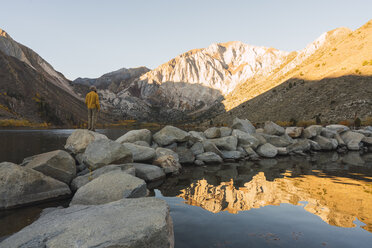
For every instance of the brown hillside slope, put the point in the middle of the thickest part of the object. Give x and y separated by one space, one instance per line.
28 94
339 73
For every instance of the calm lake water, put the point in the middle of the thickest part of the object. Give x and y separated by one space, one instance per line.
320 201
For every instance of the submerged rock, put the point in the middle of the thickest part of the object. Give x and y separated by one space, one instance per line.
79 140
21 186
57 164
103 152
109 187
132 223
136 135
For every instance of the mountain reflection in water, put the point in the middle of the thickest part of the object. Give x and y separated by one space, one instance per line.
335 191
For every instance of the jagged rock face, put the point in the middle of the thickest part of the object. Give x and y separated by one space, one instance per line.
219 66
194 84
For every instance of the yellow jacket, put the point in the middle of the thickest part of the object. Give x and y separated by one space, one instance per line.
91 100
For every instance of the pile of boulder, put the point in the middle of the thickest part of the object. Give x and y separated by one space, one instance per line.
109 179
110 206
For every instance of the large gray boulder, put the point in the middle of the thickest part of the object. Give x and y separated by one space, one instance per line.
273 128
57 164
104 151
294 132
131 223
169 135
109 187
209 157
160 152
20 186
245 138
148 172
136 135
352 140
79 140
312 131
212 133
140 153
84 179
267 150
168 163
243 125
228 143
186 156
324 143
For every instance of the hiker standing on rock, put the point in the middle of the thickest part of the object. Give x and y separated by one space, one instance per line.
92 102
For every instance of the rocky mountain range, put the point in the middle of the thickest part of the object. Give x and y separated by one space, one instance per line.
224 79
215 81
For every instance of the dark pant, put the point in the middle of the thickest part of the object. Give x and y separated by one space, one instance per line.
92 119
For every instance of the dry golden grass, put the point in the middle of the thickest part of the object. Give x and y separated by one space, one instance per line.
284 123
22 123
306 123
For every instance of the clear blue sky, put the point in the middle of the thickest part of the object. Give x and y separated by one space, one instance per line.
89 38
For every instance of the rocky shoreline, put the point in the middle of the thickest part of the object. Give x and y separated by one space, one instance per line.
109 181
